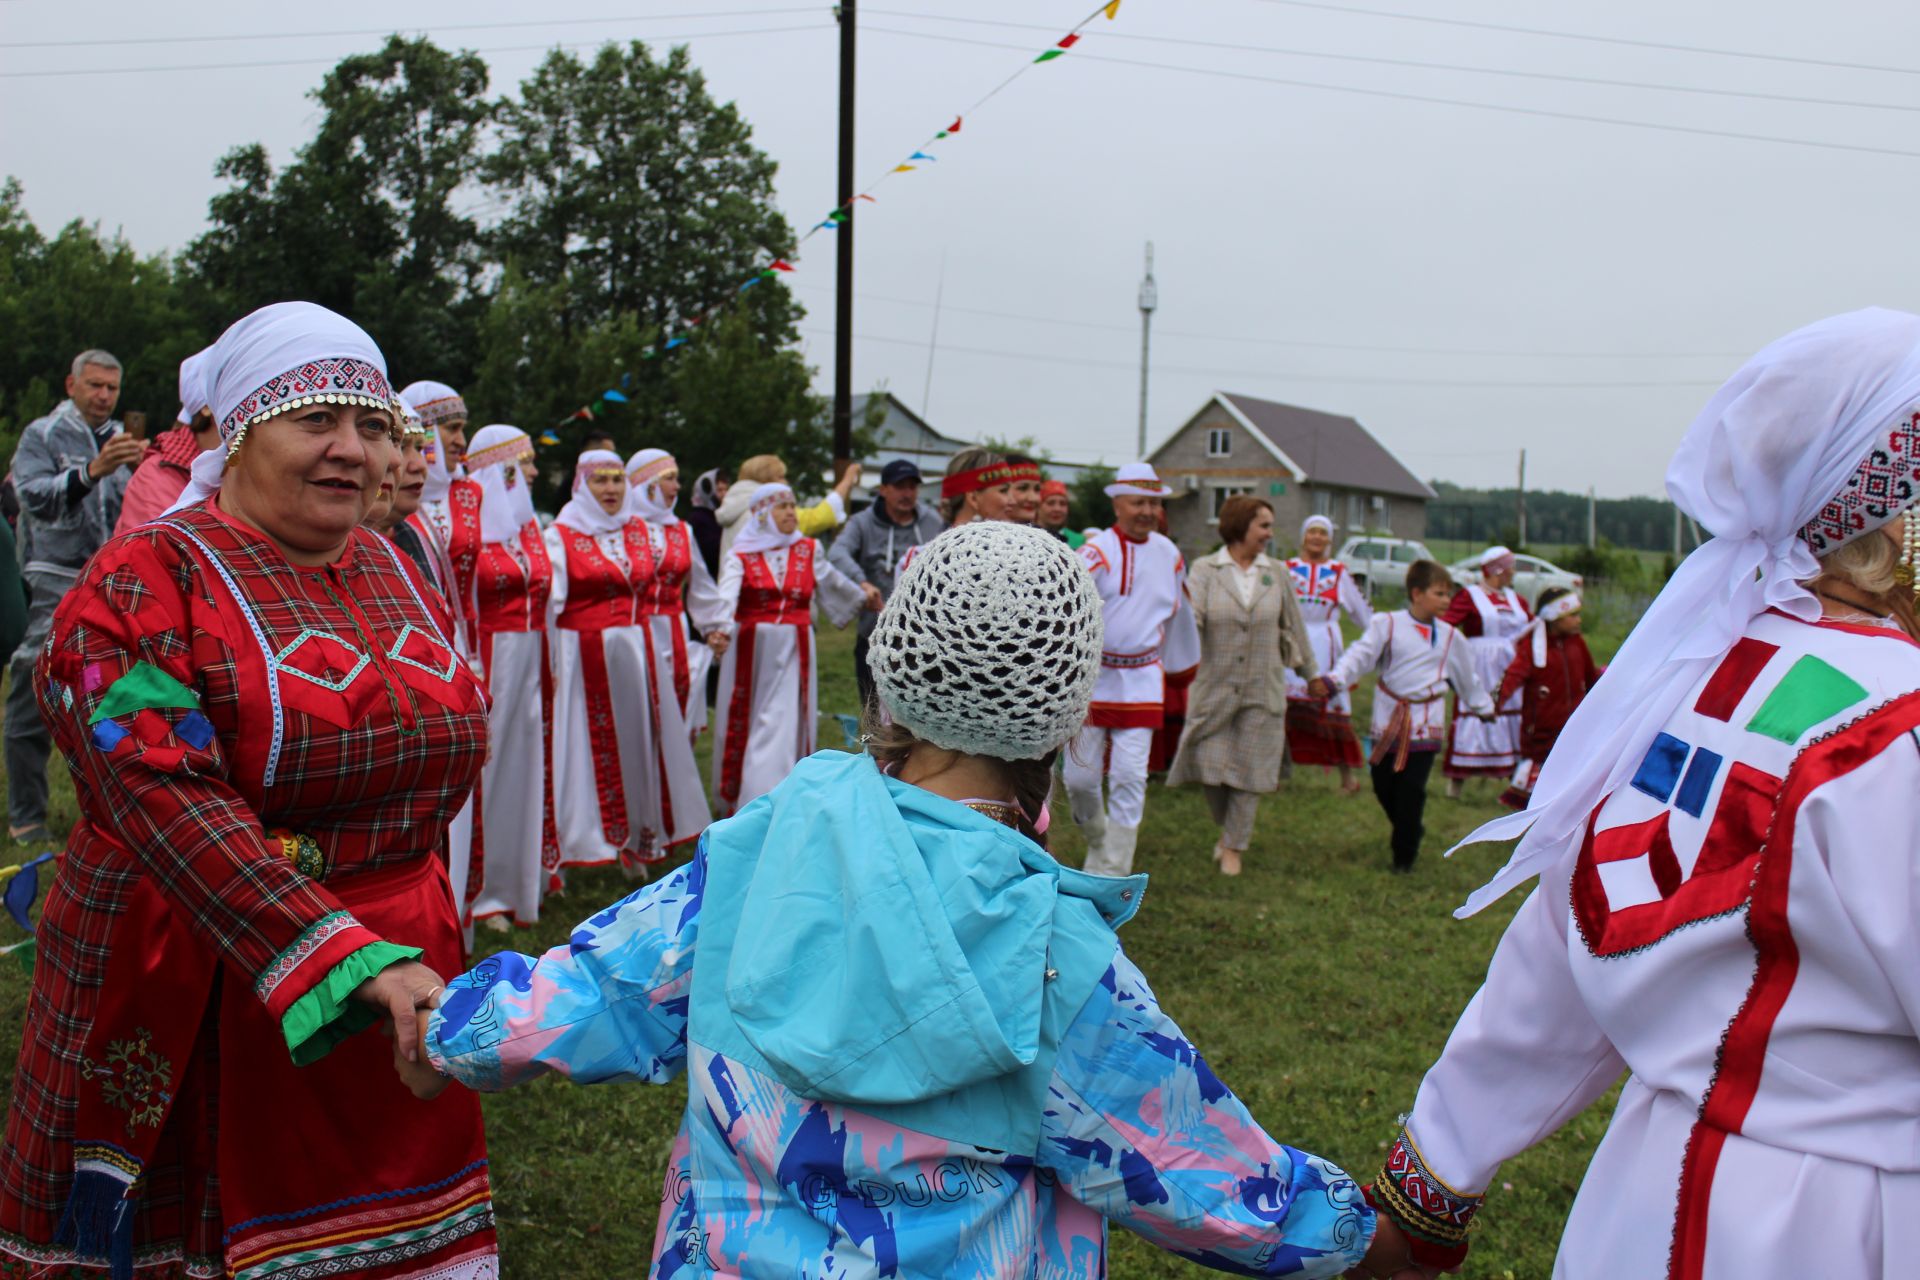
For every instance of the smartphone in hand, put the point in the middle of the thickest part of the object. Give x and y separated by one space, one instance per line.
136 424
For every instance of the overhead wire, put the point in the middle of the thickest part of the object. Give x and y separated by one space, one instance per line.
1419 64
1429 99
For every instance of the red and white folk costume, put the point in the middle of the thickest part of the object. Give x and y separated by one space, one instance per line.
1322 732
1492 622
607 793
769 702
1143 594
1728 903
516 857
265 756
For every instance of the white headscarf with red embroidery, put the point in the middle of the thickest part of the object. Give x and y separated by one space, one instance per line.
283 357
493 461
1813 443
435 403
758 532
644 470
583 511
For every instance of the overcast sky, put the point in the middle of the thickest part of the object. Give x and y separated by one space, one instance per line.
1464 281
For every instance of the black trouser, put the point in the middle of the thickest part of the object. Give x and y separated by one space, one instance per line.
863 673
1403 795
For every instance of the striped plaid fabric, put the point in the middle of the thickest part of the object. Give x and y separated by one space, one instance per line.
319 701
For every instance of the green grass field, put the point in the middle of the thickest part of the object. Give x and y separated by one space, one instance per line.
1318 986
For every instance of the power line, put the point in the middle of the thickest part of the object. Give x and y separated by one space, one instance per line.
511 48
1370 348
1432 100
1282 376
1594 39
381 31
1557 77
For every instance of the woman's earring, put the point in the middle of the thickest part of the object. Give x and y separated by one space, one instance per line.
1907 572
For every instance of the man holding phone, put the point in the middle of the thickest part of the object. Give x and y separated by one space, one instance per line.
69 470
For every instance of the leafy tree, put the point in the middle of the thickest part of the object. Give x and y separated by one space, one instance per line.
77 290
366 219
1089 505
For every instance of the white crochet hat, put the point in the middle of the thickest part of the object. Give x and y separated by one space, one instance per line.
990 642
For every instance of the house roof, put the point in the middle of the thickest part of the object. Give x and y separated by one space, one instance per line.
1323 448
901 430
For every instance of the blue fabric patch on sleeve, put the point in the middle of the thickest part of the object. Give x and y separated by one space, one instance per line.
1659 773
195 730
1698 782
107 735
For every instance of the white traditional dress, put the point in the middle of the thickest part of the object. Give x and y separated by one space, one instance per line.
516 854
1415 661
1142 589
1492 623
768 702
1322 732
606 777
1738 934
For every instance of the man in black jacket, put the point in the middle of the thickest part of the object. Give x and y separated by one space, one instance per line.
871 545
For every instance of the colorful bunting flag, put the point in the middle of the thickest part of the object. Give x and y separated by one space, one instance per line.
1113 10
920 155
869 199
780 264
615 396
675 342
583 412
22 888
548 438
903 168
748 285
22 953
954 127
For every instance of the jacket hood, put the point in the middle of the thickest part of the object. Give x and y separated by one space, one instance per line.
892 946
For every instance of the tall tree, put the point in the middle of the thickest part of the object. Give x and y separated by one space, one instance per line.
367 219
636 203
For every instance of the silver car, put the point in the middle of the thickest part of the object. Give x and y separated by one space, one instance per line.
1379 563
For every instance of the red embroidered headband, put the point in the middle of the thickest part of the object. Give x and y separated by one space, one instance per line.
988 477
506 451
333 380
445 409
652 471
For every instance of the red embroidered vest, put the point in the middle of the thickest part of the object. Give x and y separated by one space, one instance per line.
601 594
512 592
676 562
764 600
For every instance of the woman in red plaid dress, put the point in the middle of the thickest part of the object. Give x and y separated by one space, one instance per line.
268 733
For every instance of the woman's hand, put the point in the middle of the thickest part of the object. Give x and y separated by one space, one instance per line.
418 1074
718 642
1388 1257
401 990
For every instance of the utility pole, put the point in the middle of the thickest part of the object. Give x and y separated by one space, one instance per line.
1593 524
1149 299
933 339
1676 533
843 287
1522 499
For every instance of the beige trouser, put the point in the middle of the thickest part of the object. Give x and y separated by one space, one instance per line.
1233 812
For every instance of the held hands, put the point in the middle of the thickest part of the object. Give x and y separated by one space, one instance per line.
1320 687
1389 1258
875 601
718 642
404 991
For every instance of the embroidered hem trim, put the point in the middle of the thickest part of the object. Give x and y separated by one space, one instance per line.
21 1258
303 946
328 1014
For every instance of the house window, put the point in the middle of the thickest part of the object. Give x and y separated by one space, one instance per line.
1220 442
1222 492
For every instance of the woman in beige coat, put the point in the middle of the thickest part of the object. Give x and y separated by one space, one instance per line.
1251 632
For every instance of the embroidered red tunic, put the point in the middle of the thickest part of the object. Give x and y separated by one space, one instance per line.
1551 694
788 602
208 694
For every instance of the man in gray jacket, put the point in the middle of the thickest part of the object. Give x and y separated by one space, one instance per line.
70 470
869 549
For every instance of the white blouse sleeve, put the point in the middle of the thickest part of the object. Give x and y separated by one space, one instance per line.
1364 654
1353 601
709 609
732 573
557 556
839 597
1466 678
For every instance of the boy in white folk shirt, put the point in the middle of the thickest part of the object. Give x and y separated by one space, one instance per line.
1142 580
1416 655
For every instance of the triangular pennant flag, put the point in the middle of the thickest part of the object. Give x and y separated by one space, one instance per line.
904 168
780 264
583 412
613 395
921 155
838 215
1113 10
828 225
626 379
748 285
1070 39
22 889
954 127
547 437
22 954
1050 55
676 342
867 198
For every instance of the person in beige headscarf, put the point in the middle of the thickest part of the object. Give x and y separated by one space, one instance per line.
1251 634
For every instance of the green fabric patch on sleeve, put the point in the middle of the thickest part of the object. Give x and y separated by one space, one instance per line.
328 1014
143 686
1811 692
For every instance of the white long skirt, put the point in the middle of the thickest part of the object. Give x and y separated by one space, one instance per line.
769 727
699 660
606 778
514 858
1772 1212
684 813
1474 747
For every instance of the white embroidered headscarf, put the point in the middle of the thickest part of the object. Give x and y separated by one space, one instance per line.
644 470
493 461
757 532
583 511
1814 442
194 395
282 357
1315 522
1536 633
434 403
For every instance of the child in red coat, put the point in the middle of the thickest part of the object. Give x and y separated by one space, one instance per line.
1552 664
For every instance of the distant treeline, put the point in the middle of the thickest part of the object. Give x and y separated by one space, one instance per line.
1553 518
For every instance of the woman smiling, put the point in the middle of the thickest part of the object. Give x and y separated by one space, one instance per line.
268 733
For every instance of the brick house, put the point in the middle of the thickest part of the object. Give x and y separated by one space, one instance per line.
1302 461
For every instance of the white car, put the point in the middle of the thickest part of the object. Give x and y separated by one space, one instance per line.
1531 576
1380 563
